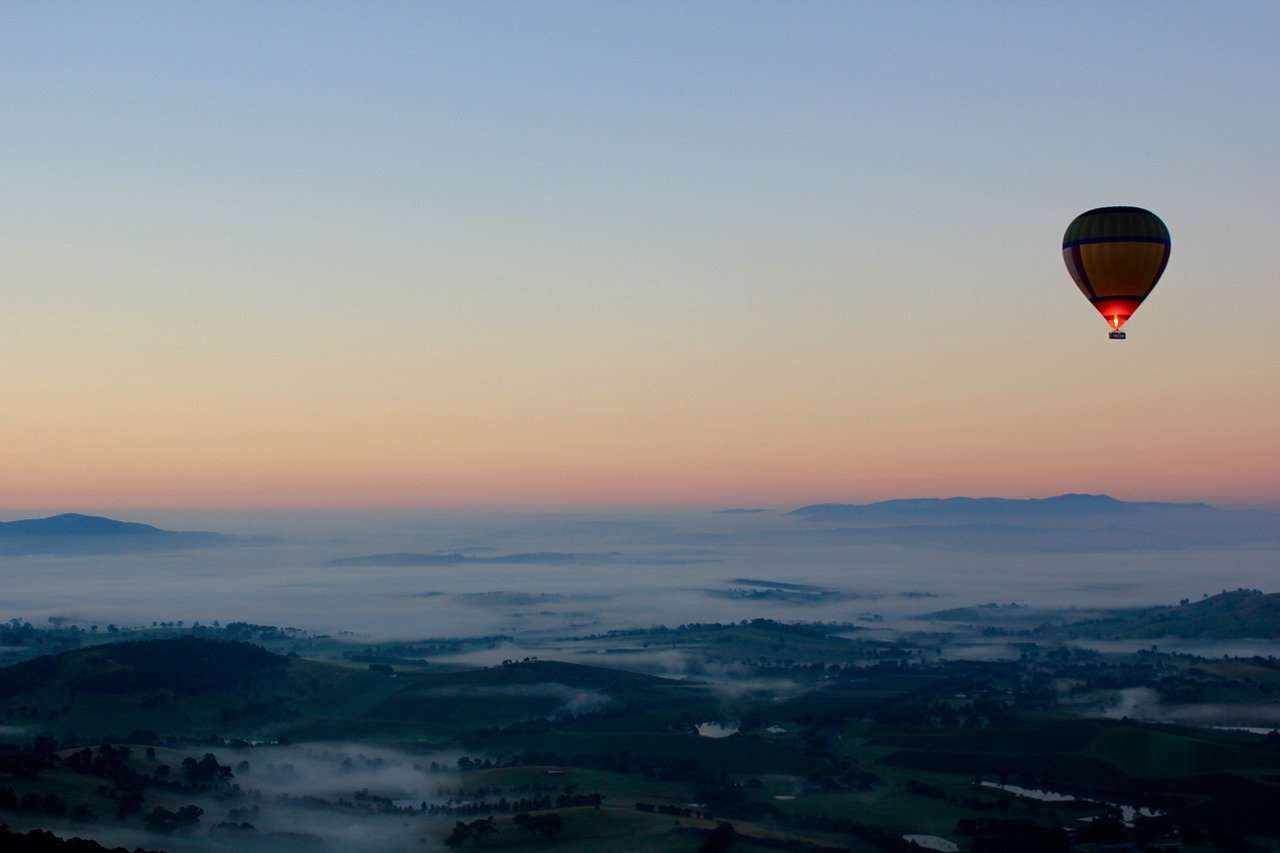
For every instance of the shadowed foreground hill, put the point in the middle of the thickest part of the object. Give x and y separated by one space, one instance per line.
185 665
72 533
191 686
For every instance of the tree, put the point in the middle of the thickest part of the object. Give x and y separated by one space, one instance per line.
719 839
184 819
476 830
546 825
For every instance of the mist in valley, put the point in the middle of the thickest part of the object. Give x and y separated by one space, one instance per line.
493 589
326 796
540 576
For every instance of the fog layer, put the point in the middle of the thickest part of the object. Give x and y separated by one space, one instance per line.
613 570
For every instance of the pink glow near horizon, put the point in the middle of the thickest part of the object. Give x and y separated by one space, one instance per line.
626 259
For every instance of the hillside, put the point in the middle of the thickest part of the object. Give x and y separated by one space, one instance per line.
1239 614
186 665
189 686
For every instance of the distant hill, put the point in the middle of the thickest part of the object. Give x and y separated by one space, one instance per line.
972 509
72 533
1063 523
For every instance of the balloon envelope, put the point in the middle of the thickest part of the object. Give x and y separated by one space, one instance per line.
1116 256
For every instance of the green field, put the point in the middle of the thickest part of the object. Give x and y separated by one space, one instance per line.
860 743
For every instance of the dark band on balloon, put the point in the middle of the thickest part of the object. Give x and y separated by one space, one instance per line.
1164 241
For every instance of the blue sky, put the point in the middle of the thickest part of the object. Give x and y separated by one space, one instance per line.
545 248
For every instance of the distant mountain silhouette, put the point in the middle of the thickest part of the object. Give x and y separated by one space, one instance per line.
970 509
72 533
1060 523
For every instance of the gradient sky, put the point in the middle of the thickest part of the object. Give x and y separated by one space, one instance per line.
628 253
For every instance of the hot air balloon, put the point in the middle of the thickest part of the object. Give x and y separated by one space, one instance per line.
1116 256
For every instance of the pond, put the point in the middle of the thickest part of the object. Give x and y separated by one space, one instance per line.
1127 813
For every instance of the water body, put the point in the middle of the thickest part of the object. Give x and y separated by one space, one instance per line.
1032 793
1127 813
932 842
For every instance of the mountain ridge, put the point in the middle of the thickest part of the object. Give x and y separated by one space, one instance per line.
73 533
1069 503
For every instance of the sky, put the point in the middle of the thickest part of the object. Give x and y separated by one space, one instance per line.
616 254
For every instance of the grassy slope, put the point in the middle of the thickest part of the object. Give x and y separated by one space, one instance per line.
1061 750
1242 614
194 687
107 689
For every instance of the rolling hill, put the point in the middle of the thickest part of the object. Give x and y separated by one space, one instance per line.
188 686
1237 614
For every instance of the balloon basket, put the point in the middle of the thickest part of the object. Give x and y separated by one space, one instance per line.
1116 336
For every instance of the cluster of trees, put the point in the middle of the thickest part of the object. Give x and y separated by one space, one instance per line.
247 632
366 804
125 784
801 629
478 738
983 712
477 830
725 798
48 804
43 841
547 825
526 804
663 808
205 770
411 652
543 826
184 820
